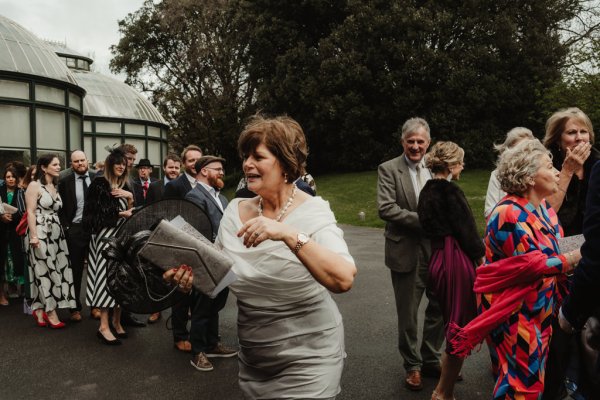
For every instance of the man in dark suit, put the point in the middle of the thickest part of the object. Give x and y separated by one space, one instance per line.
73 190
171 171
141 184
407 252
204 329
178 188
583 301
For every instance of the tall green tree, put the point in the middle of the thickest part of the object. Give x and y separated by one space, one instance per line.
191 59
473 69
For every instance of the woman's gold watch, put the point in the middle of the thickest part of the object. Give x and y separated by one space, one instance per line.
302 239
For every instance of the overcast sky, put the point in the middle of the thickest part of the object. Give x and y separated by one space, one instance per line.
88 26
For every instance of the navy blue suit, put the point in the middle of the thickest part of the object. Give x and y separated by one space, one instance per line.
177 188
204 330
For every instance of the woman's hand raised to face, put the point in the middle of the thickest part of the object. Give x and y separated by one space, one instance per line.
573 163
182 276
257 230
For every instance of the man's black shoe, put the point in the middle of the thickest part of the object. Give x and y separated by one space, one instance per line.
127 319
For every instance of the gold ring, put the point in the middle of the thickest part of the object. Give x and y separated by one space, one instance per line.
255 233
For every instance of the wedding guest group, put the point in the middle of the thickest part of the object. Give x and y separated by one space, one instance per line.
504 286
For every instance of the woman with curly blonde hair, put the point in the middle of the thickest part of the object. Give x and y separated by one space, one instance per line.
448 222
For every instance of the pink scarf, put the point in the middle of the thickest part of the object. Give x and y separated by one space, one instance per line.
512 279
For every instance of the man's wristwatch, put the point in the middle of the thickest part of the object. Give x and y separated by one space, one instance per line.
302 239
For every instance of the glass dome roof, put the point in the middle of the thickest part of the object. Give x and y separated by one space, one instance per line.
107 97
21 51
62 50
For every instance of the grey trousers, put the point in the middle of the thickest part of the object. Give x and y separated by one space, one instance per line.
409 288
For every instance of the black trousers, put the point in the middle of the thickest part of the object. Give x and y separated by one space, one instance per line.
204 328
78 241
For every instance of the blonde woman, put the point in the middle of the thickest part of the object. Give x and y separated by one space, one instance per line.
447 220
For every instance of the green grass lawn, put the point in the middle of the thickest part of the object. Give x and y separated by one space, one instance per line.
349 194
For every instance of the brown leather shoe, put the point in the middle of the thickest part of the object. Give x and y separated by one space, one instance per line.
183 345
75 316
95 313
154 318
413 380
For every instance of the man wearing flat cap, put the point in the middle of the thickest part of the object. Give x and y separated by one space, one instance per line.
204 328
142 182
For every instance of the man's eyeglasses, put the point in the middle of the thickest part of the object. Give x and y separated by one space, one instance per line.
220 170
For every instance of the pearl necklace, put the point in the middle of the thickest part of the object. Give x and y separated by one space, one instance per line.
290 200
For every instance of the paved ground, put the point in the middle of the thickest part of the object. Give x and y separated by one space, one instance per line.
38 363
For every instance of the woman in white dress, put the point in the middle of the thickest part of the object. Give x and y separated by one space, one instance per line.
288 252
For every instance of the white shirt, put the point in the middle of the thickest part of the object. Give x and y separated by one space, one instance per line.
213 192
192 180
79 195
425 175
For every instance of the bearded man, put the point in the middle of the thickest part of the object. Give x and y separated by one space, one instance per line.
204 328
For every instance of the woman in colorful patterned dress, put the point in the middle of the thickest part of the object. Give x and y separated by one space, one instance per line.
50 269
107 206
521 239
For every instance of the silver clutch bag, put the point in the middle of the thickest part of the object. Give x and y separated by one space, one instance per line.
169 246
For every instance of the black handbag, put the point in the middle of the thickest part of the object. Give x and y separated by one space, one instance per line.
136 284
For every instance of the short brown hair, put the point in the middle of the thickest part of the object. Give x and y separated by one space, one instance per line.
283 136
188 148
173 157
128 148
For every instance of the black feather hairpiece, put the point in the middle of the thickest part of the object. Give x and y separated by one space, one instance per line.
115 150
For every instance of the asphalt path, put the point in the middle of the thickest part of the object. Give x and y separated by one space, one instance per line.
40 363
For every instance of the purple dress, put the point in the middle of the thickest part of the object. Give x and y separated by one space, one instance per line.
446 218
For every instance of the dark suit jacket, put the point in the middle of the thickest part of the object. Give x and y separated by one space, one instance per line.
18 197
397 205
203 199
156 191
66 188
177 188
138 192
584 298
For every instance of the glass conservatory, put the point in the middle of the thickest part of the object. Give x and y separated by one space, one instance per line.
50 101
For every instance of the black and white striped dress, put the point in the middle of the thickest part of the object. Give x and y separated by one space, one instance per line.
97 294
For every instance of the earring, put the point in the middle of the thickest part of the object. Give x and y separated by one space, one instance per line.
285 178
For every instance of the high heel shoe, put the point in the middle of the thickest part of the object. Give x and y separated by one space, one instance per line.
104 340
436 396
58 325
39 323
120 335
